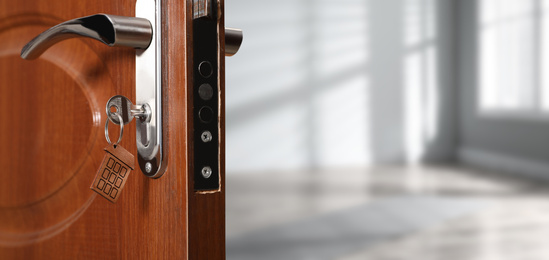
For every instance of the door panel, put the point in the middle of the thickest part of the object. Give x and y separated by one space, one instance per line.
51 134
52 144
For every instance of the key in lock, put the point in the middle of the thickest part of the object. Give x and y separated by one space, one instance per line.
118 162
127 110
122 106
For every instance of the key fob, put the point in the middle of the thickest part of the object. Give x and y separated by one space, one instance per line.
113 172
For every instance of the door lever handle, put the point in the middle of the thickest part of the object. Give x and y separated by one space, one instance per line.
112 30
140 33
233 40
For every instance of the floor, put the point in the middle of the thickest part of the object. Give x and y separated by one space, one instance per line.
423 212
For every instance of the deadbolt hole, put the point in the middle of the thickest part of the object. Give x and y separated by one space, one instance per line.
206 114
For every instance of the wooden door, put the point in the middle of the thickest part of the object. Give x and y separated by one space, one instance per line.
52 140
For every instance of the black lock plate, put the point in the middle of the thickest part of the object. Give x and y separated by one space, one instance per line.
206 102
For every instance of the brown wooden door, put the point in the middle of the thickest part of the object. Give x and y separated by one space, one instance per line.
52 140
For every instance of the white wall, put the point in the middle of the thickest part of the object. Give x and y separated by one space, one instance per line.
504 141
339 83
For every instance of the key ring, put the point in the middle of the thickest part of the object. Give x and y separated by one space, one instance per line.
121 130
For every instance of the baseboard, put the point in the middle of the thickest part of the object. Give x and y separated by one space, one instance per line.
501 162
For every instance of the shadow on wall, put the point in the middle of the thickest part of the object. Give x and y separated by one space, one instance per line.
343 83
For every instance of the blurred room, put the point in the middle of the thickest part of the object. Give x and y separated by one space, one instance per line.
388 129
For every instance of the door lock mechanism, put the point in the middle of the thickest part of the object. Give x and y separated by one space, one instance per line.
207 50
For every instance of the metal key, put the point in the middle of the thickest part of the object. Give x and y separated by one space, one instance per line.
125 109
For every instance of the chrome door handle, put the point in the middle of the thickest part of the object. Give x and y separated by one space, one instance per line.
112 30
141 33
233 40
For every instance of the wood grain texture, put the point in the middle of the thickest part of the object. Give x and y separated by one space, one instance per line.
56 109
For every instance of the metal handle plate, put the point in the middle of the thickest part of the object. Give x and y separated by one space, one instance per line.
151 152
